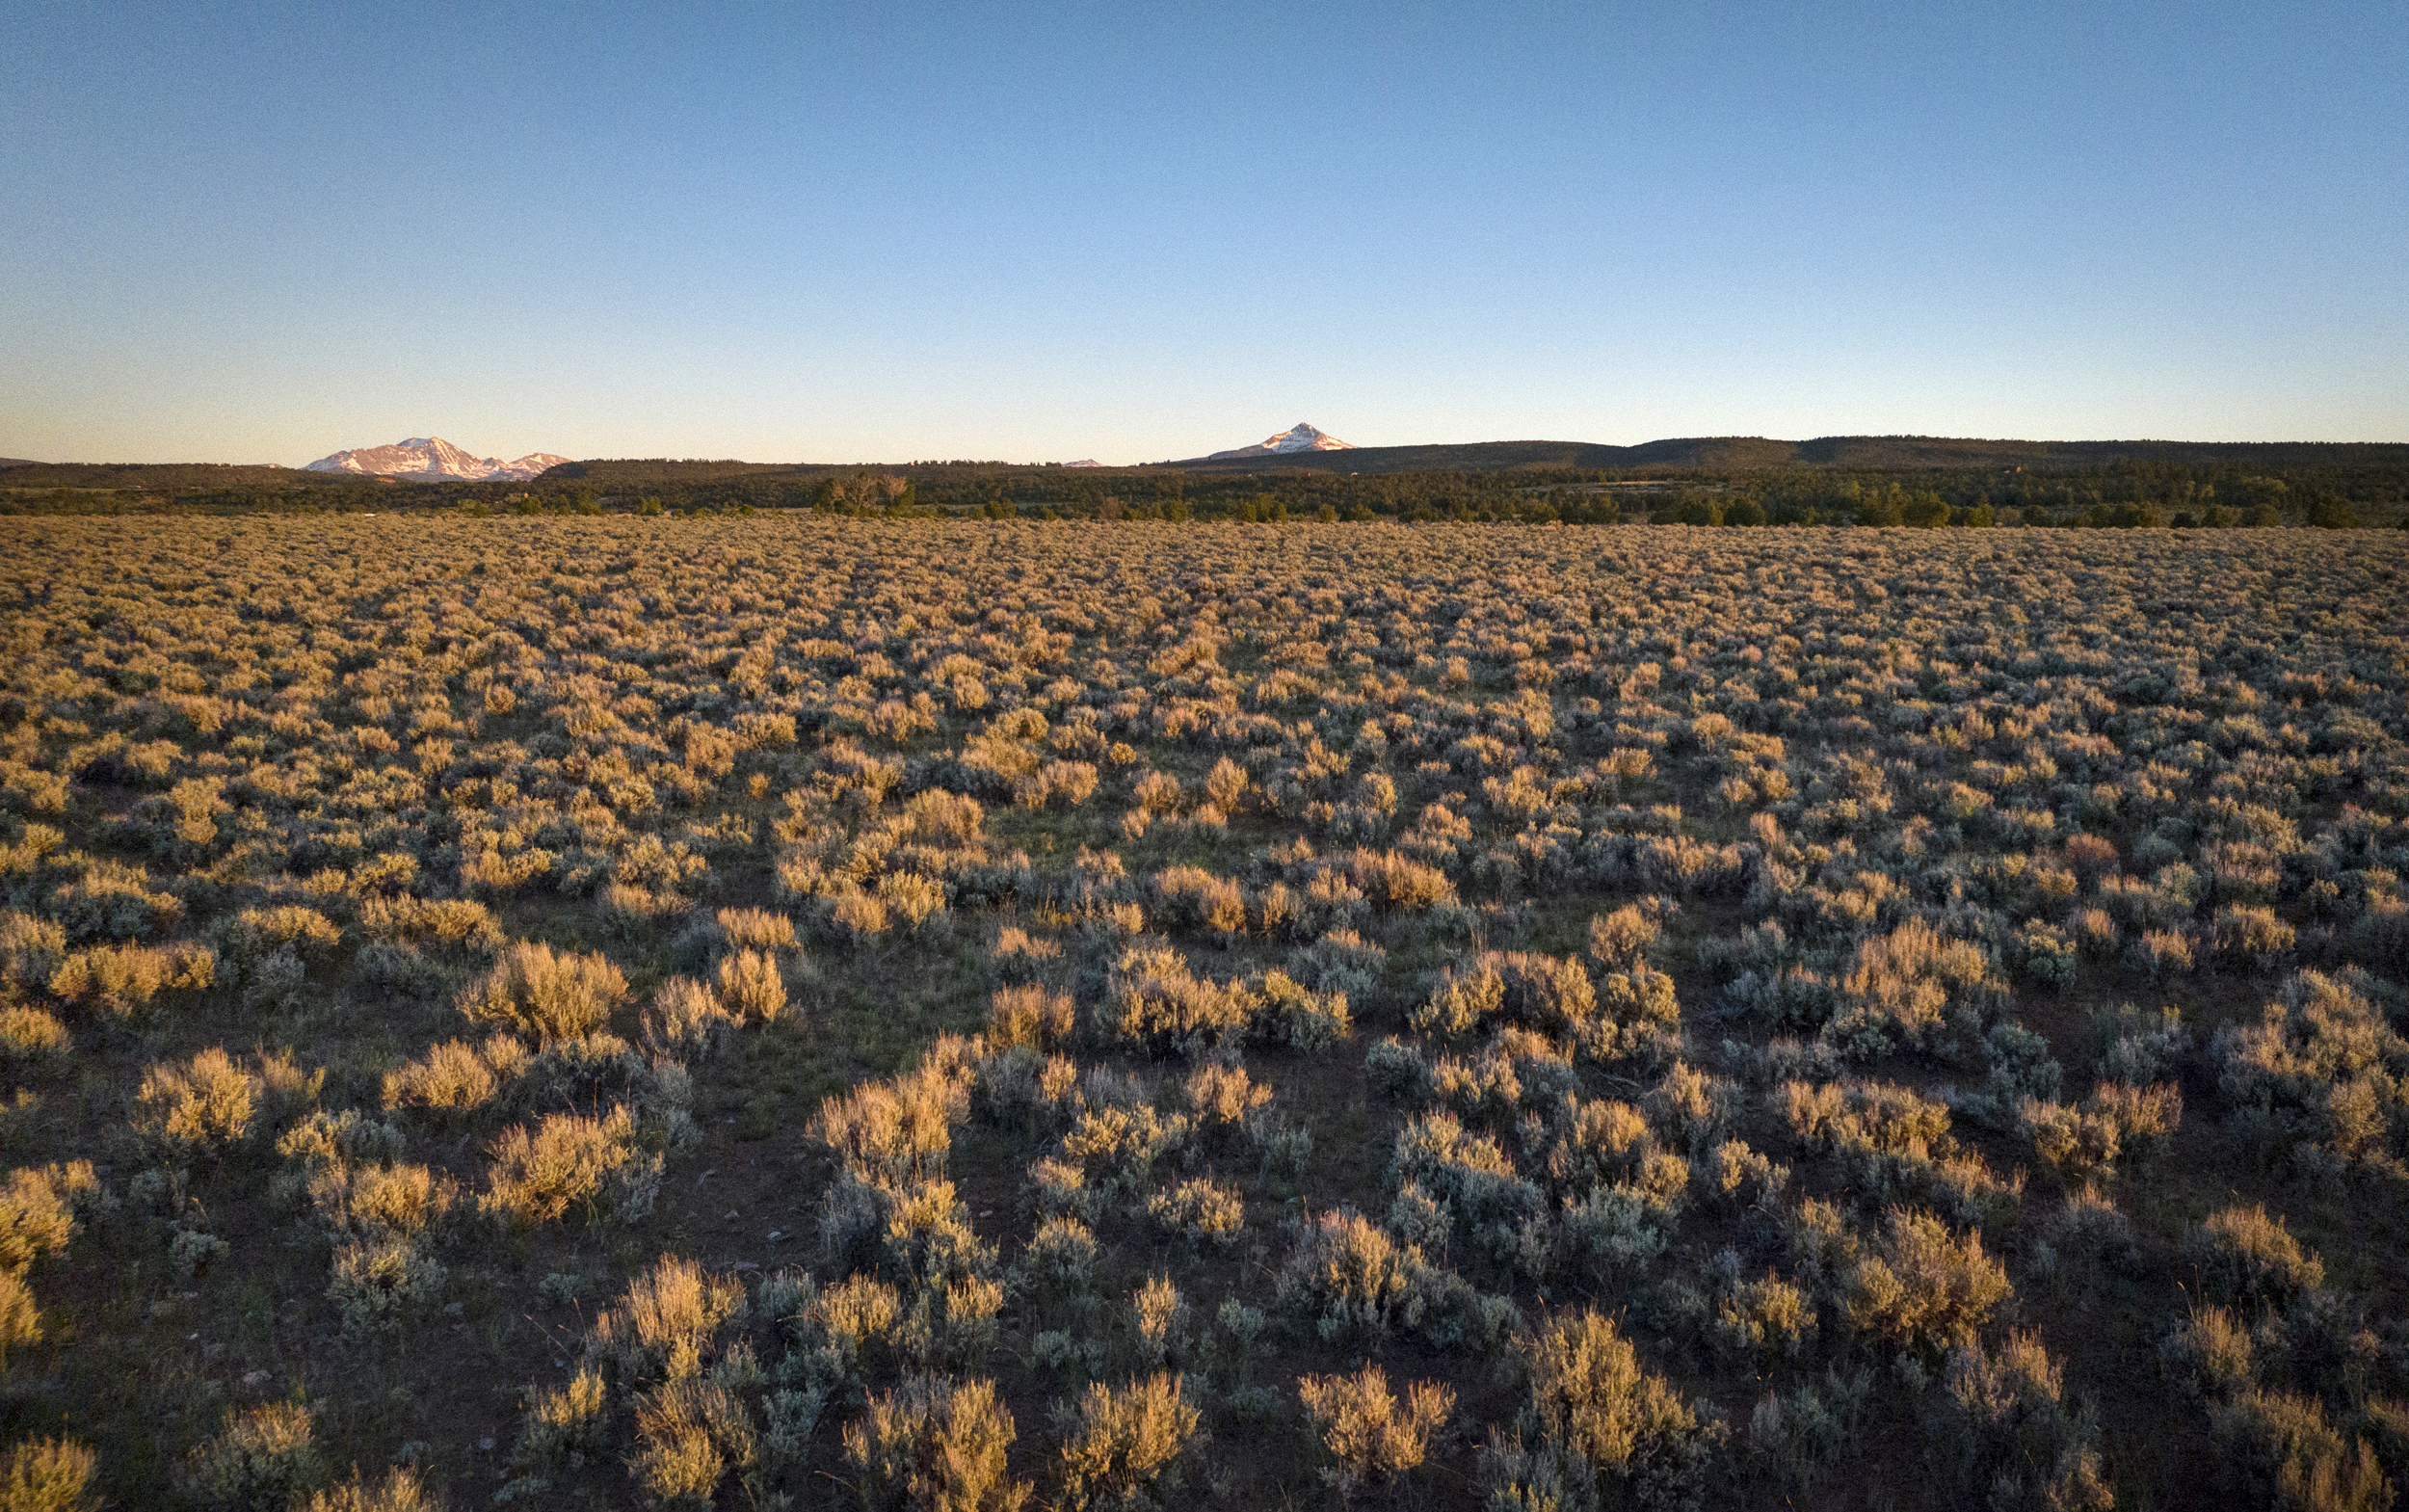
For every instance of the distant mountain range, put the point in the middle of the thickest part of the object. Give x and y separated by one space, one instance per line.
1298 437
1745 453
430 458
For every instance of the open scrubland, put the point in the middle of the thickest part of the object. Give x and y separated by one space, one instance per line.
773 1011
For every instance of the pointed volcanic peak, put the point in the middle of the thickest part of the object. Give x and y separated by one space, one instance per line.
430 458
1298 438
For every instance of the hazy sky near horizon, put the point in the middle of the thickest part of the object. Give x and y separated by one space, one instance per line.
1032 232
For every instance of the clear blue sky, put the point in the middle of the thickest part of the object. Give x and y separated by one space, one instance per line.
1138 232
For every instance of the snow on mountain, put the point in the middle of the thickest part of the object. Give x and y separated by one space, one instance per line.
1298 438
1084 461
430 458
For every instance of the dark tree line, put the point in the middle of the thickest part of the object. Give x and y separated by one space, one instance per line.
2122 494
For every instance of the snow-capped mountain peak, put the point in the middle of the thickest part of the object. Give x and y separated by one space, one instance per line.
1298 437
430 458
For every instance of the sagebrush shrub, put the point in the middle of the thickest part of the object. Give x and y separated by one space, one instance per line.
32 1036
265 1457
1037 1016
756 929
2251 937
935 1444
686 1016
1594 1415
1153 1000
1371 1435
571 1160
1925 1289
20 1315
2092 1234
2276 1448
666 1324
750 987
1121 1448
689 1434
201 1107
551 995
1203 1209
895 1131
126 980
38 1215
456 1077
1767 1318
49 1476
1803 1432
1222 1095
2019 1442
376 1285
2211 1353
2245 1254
400 1491
1618 941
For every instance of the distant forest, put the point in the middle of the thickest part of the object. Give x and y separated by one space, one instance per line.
1851 481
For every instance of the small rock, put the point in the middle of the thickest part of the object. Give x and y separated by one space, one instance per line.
731 1212
987 1212
454 1309
777 1235
485 1444
744 1266
255 1379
